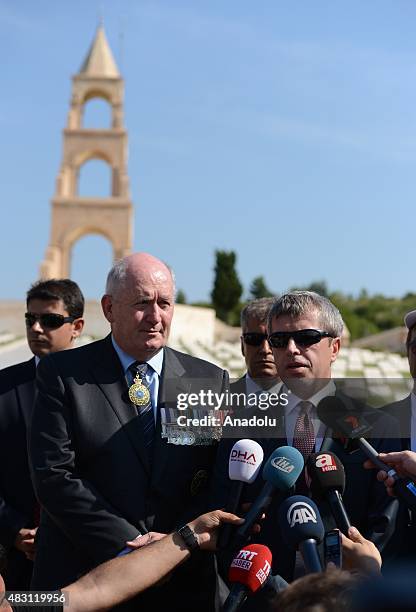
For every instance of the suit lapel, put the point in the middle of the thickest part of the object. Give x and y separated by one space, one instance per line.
108 372
25 390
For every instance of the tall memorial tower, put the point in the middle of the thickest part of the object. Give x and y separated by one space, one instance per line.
74 216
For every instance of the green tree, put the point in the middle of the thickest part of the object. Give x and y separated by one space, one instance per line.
227 289
259 289
180 297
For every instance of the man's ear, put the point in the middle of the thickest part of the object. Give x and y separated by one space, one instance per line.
335 346
107 307
77 327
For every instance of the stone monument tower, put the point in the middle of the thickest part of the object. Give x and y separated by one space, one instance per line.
74 216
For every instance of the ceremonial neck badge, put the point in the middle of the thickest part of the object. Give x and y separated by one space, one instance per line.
138 392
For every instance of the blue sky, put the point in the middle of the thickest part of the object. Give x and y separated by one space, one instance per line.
283 131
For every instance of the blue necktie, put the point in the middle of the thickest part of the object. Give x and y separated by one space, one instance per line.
145 412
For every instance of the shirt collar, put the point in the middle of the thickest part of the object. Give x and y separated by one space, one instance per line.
293 400
156 362
253 387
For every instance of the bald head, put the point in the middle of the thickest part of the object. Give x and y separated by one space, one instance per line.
139 304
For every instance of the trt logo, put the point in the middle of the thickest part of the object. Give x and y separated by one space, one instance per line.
325 463
237 455
263 572
283 464
300 513
244 559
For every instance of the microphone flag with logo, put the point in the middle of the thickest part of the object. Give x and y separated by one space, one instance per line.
302 529
244 464
280 472
248 572
326 476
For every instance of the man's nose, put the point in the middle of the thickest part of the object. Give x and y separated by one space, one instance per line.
265 347
37 327
153 312
292 347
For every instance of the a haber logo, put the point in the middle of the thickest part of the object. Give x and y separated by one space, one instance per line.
243 457
283 464
300 513
325 463
244 559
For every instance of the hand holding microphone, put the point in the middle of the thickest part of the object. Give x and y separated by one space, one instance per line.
349 423
403 462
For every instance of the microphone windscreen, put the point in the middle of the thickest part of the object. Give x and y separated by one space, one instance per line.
325 472
347 421
283 467
245 461
299 520
251 566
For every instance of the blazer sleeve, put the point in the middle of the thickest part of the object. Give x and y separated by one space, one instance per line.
82 513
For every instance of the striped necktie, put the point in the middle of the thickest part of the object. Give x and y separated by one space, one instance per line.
304 440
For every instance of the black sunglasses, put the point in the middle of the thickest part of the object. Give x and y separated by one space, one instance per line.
301 337
254 338
48 320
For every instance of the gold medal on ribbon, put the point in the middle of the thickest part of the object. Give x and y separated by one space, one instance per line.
138 392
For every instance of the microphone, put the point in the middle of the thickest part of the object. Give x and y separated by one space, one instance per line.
281 471
352 425
327 482
244 465
248 572
302 528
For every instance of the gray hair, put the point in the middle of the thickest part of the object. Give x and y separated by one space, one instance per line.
116 277
256 309
298 303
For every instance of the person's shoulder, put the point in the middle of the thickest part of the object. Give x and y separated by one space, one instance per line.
17 374
197 365
76 357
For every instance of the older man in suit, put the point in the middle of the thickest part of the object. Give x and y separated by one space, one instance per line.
53 322
101 468
305 333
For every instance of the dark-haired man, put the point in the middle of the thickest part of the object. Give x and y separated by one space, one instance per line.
53 322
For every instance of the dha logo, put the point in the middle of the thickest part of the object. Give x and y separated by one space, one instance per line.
283 464
325 463
300 513
243 456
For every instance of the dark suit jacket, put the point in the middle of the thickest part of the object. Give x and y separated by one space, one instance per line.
91 472
404 545
17 500
365 499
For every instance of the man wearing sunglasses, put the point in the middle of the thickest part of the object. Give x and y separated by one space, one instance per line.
261 369
53 322
305 332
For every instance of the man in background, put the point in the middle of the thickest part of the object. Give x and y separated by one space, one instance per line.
53 322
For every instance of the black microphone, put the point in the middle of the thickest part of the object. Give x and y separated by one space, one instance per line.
244 465
281 471
327 482
333 412
248 573
302 529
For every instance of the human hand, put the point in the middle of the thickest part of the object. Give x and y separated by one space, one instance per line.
360 554
25 541
145 539
206 526
403 462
